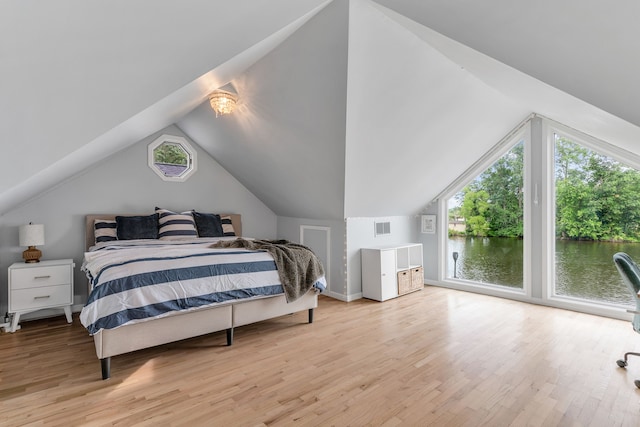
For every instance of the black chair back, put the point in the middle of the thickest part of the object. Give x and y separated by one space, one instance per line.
630 274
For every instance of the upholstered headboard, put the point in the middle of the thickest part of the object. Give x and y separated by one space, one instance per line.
90 219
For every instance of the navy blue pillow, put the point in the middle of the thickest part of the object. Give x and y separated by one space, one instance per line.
137 227
208 225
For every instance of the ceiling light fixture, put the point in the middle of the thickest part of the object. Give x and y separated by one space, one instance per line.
223 102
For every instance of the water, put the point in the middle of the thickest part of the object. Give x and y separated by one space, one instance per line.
583 269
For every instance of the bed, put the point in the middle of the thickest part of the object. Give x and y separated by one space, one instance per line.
184 323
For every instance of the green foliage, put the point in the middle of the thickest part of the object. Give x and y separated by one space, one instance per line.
577 212
504 181
597 198
169 153
474 209
492 205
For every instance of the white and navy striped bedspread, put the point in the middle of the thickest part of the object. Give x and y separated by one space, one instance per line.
138 280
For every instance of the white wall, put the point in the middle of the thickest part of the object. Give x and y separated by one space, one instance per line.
360 234
286 141
125 184
430 245
289 229
73 70
410 110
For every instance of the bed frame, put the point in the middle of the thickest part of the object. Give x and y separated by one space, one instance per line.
183 325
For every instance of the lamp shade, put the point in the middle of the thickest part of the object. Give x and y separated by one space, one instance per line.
31 234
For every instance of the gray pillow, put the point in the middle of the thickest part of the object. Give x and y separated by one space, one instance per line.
208 224
137 227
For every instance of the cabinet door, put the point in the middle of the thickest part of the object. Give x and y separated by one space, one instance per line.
388 274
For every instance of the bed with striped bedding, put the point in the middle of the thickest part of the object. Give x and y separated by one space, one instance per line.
137 280
150 292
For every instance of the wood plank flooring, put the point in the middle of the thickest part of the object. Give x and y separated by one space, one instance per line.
437 357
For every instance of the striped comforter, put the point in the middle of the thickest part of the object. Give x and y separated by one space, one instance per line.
138 280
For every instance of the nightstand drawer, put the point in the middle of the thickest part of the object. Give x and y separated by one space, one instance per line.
36 298
25 278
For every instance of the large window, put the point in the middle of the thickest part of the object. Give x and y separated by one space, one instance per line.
544 220
597 214
486 223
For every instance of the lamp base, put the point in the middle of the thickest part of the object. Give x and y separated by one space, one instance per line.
32 255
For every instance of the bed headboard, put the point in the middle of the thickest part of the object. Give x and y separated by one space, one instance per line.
90 219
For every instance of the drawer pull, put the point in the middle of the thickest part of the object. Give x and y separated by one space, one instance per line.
42 297
42 277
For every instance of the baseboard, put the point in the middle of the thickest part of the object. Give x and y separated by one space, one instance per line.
354 297
342 297
335 295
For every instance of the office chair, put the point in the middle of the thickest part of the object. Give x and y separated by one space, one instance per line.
630 274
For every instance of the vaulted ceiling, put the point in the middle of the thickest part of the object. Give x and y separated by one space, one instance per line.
349 108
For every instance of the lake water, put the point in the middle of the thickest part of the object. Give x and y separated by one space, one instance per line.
583 269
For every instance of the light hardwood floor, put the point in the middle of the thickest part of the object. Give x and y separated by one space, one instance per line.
434 357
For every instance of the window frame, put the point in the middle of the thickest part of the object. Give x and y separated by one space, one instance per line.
521 133
601 147
192 164
539 215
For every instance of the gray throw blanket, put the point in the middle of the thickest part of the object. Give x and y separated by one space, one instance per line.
297 265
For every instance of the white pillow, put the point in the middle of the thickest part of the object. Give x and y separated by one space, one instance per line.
104 230
175 226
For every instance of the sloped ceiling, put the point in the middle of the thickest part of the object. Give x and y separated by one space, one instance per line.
447 105
351 108
81 80
408 121
286 145
586 48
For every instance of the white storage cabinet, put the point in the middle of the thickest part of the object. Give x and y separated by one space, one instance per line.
390 271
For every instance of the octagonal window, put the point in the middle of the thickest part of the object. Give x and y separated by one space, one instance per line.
172 158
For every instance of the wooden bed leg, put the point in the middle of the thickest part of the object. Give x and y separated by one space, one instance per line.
311 315
229 336
106 368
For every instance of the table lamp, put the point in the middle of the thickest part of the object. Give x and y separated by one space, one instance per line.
31 235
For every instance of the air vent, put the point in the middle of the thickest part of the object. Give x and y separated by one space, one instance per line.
382 228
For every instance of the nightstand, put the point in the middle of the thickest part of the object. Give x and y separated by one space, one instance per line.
36 286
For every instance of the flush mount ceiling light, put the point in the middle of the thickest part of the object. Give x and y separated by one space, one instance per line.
223 102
